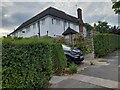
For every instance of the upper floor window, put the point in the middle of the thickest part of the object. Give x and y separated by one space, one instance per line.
27 29
74 26
65 23
43 21
34 25
52 21
68 24
58 21
23 31
16 33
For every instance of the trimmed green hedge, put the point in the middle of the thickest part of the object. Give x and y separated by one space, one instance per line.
25 64
28 63
58 57
106 43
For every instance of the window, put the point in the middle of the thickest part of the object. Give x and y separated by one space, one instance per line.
58 21
23 31
52 21
68 24
27 29
34 25
16 34
43 21
74 26
64 25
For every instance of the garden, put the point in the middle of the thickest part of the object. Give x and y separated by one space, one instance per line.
31 62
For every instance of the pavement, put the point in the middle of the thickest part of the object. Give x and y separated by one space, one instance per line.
103 74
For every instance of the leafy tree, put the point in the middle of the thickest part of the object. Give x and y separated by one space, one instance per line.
103 27
116 6
88 26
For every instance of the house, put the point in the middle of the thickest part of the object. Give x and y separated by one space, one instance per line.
51 22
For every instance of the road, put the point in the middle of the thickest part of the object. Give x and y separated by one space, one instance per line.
104 74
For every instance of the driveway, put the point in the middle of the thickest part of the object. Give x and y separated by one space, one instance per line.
104 74
107 70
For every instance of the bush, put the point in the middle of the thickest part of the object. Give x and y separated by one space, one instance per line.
30 62
106 43
58 58
73 68
26 63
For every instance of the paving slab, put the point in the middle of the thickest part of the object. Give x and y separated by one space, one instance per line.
96 81
72 83
57 79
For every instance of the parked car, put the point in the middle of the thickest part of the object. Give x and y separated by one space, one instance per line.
73 55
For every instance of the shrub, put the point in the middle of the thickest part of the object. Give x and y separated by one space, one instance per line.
58 57
26 63
73 68
30 62
106 43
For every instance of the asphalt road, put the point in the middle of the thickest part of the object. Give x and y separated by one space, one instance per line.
109 71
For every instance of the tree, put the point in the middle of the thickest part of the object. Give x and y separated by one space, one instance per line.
88 26
103 27
115 30
116 6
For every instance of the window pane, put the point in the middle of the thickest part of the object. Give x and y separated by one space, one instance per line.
52 21
58 21
34 25
43 21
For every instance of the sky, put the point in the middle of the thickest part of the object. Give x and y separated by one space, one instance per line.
13 13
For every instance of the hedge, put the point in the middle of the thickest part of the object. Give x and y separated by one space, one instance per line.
30 62
25 65
105 43
59 59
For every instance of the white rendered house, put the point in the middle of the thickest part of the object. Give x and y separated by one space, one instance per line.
51 22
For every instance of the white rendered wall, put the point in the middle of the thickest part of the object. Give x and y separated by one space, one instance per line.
58 29
29 33
54 29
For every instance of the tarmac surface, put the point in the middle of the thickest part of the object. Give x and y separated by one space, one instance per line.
104 74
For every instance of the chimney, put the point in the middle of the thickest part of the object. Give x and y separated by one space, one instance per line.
79 12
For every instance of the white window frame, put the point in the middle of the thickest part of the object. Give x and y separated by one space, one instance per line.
27 29
58 21
43 21
34 25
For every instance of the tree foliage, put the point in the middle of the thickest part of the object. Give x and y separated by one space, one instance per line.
103 27
88 26
116 6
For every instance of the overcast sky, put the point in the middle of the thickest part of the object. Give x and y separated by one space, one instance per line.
15 13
